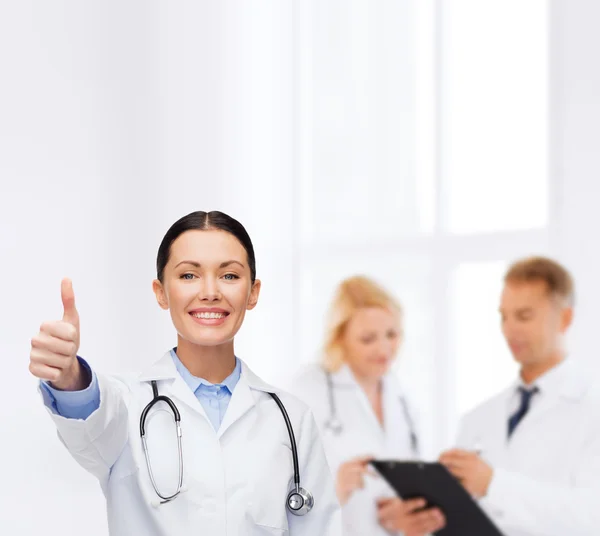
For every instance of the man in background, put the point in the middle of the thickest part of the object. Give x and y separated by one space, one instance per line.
531 454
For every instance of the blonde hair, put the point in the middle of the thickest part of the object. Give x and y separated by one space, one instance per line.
354 293
557 278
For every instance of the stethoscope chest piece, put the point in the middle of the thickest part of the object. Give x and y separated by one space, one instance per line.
300 501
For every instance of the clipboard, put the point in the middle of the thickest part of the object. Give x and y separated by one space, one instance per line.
434 483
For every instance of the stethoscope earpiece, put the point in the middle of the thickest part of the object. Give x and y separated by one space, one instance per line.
300 502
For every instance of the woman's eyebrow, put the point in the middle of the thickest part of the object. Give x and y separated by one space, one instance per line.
227 263
222 265
193 263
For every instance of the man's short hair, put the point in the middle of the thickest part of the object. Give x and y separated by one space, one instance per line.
557 278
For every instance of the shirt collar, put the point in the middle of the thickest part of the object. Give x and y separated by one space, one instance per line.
345 377
193 382
551 381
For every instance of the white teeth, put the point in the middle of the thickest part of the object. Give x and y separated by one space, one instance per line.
208 315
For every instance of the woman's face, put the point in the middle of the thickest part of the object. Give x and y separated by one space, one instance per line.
370 341
207 287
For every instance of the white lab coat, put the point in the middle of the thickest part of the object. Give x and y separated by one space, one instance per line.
362 435
236 480
547 478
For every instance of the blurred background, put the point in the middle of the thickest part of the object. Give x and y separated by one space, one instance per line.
425 143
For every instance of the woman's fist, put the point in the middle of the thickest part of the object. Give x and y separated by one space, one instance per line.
54 349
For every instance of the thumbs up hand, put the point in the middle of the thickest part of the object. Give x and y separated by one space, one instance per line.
54 349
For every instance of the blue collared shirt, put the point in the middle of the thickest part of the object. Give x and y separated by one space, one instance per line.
214 398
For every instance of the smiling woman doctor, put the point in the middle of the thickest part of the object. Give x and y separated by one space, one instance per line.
363 411
197 444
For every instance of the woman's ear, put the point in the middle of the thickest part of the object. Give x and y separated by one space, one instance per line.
161 296
254 292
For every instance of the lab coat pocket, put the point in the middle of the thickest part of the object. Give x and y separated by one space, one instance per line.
125 465
272 477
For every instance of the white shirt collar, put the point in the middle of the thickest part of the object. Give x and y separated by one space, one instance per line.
164 369
344 377
564 379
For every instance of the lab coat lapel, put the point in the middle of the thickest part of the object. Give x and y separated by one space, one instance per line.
397 428
173 385
570 387
179 390
491 435
496 448
242 401
244 397
544 406
345 377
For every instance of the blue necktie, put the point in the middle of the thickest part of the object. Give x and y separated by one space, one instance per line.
516 418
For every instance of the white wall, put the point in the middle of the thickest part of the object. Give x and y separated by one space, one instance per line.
117 119
77 142
575 116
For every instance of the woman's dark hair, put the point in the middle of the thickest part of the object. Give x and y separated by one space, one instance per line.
204 221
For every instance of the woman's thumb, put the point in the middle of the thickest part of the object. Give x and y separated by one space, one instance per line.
70 314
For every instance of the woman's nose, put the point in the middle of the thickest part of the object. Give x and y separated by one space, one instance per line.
209 290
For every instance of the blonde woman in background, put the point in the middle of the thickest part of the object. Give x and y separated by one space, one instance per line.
363 413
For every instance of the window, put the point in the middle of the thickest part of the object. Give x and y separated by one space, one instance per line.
358 125
494 73
422 163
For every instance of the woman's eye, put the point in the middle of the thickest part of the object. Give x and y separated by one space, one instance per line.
230 277
187 276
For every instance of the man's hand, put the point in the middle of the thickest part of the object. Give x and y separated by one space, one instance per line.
395 515
474 474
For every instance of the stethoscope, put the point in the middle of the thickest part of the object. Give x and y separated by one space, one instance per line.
299 501
335 426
